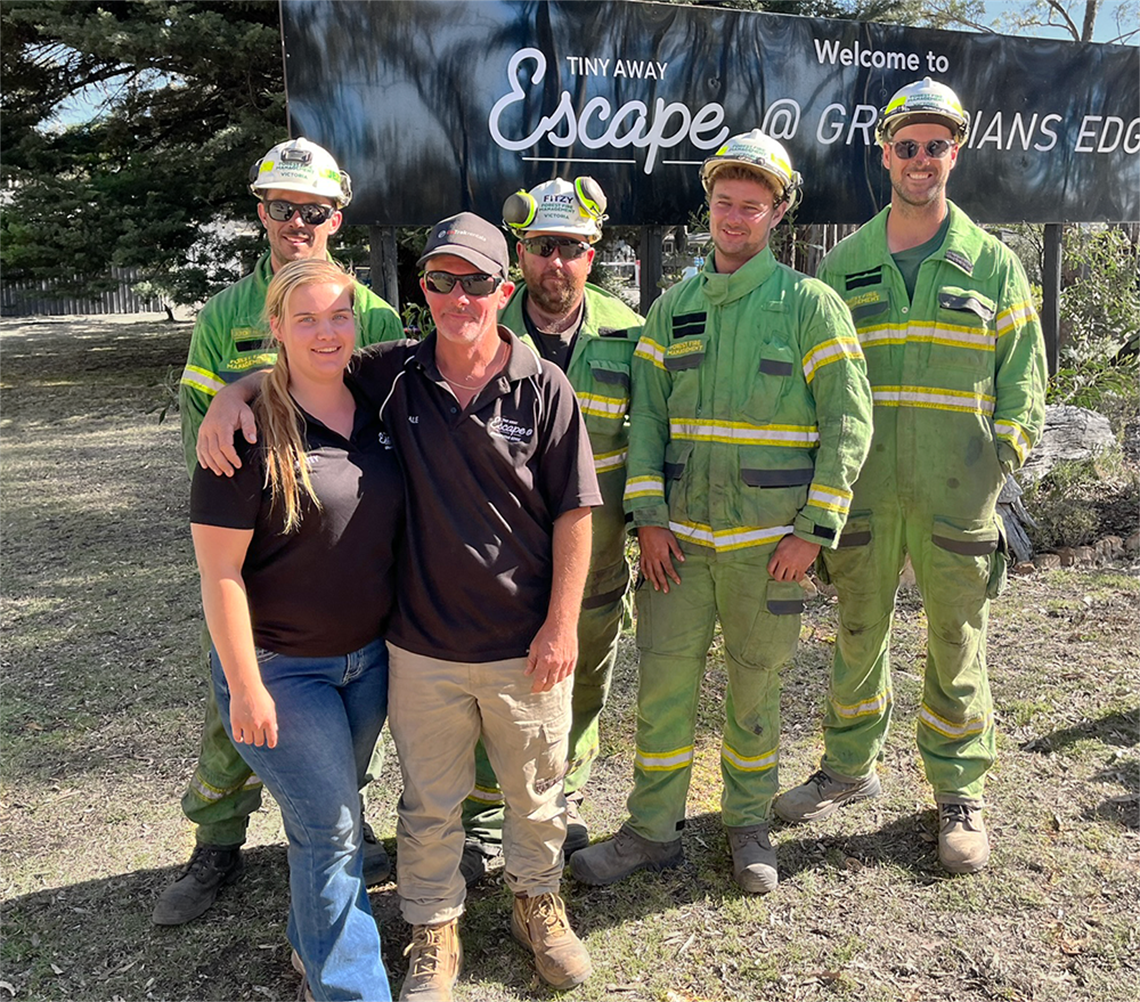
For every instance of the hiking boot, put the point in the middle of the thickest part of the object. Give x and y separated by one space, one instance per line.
436 957
753 858
625 853
377 865
540 923
821 795
476 859
963 846
577 834
196 887
304 992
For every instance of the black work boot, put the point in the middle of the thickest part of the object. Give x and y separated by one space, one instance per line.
196 888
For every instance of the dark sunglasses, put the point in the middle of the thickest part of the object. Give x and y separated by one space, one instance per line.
936 148
473 285
312 213
568 250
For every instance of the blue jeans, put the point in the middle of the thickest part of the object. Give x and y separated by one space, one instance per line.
329 715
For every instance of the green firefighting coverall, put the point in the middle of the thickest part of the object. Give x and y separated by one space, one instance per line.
958 381
230 339
751 417
599 372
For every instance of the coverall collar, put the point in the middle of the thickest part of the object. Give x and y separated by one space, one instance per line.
722 289
960 248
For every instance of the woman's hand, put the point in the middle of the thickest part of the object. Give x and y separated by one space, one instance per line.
253 716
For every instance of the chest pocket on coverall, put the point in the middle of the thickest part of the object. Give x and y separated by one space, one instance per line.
607 402
966 321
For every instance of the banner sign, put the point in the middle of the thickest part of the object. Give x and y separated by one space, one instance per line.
436 106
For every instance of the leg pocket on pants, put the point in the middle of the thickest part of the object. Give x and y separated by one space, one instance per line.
850 561
962 558
776 630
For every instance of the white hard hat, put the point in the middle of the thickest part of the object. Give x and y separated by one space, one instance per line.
298 165
558 206
924 100
762 154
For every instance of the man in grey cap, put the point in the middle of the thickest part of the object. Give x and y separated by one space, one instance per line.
500 480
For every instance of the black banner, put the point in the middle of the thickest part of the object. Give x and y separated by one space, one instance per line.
434 106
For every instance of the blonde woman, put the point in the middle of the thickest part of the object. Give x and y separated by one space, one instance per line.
295 553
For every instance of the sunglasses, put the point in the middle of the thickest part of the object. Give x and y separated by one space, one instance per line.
568 250
907 148
312 213
473 285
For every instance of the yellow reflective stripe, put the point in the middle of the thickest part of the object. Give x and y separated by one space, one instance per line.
873 337
209 792
829 351
651 351
722 540
592 403
642 487
486 794
975 725
668 761
606 461
865 708
201 379
1014 317
1014 434
749 763
954 337
831 498
936 399
742 433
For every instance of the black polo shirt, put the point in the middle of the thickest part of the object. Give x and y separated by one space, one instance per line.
327 588
484 486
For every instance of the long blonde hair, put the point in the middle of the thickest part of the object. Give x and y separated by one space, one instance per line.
277 413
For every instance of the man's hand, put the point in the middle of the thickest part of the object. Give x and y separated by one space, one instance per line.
792 558
228 412
253 716
552 655
658 547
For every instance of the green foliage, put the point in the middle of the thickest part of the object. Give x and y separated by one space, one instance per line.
1060 505
191 93
1100 324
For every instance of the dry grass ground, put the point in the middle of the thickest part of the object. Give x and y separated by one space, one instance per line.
102 695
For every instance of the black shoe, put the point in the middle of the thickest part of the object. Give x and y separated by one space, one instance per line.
476 861
210 867
377 865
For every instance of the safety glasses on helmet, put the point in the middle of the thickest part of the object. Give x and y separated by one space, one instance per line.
312 213
905 149
568 250
478 284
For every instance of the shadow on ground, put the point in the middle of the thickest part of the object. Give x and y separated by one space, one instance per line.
1121 729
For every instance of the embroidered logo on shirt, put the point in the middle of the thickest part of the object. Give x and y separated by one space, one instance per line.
680 348
864 298
384 439
509 430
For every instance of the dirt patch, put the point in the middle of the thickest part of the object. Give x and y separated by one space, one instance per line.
103 694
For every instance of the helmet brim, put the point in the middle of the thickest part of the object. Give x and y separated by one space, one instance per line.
771 179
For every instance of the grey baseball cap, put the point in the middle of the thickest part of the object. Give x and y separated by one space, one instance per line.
471 238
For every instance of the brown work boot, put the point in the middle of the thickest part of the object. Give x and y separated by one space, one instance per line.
753 858
540 923
436 955
963 846
627 852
